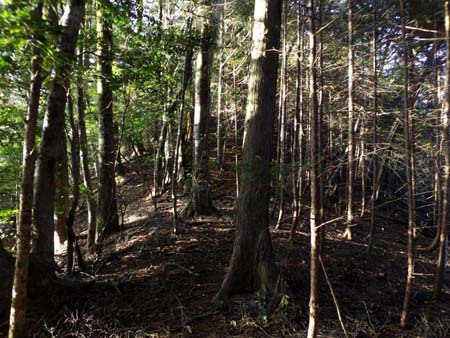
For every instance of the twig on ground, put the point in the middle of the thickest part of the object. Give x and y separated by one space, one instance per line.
182 268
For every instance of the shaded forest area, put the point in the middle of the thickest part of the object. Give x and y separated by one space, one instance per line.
266 168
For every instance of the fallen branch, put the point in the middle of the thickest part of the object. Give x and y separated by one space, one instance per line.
334 297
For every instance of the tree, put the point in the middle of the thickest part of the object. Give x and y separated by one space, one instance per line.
51 150
18 302
445 130
375 131
351 132
252 265
107 217
201 202
313 173
409 168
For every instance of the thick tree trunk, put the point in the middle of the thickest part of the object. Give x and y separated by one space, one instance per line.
53 136
252 266
107 217
313 173
445 130
19 301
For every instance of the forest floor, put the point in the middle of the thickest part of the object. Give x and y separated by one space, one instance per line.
150 283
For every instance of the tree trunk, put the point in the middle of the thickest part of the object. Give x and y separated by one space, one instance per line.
313 173
53 136
62 194
75 160
409 161
201 202
19 301
375 130
351 152
283 118
221 42
84 150
298 125
252 265
186 77
445 130
107 217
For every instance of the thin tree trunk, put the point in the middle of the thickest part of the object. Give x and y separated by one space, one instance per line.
314 171
107 217
17 318
298 127
445 130
186 77
252 265
236 132
351 152
201 202
409 160
75 160
84 151
375 130
283 118
221 42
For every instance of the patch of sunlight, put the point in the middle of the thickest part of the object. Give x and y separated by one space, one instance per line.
59 247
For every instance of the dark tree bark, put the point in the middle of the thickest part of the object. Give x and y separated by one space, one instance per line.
19 301
107 217
186 78
252 265
53 135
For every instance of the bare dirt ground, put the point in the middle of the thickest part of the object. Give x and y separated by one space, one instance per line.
149 283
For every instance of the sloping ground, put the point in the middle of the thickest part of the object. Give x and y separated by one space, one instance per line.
150 283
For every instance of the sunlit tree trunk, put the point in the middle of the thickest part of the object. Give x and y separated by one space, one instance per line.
53 135
351 151
445 130
107 217
297 156
84 151
19 299
201 202
313 173
282 116
409 161
220 87
252 265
